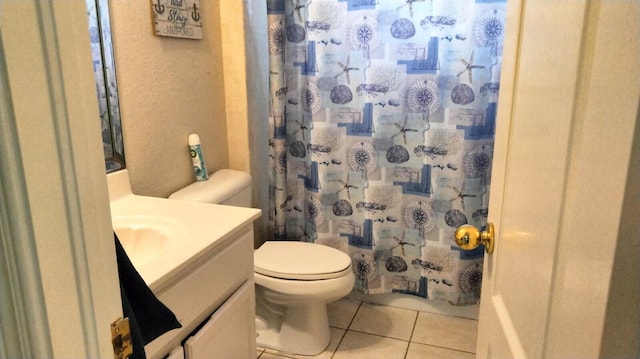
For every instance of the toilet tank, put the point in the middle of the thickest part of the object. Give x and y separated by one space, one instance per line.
228 187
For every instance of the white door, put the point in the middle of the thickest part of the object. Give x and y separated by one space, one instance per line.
569 101
59 288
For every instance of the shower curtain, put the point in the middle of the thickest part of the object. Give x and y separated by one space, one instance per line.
382 119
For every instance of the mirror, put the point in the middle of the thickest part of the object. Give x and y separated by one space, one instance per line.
106 84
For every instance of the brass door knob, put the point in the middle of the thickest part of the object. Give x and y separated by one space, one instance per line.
469 237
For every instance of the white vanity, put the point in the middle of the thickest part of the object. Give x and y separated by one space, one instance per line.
198 260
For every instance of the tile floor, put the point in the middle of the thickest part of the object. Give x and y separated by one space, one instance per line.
369 331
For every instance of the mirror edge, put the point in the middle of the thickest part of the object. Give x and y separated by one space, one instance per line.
106 83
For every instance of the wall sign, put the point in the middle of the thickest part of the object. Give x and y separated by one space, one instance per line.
177 18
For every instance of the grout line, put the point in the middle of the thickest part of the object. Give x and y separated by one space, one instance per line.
413 329
339 342
450 316
354 315
280 354
346 330
447 348
378 335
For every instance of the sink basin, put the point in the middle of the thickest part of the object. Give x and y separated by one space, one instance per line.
143 244
146 238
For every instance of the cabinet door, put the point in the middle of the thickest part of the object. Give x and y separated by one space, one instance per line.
230 332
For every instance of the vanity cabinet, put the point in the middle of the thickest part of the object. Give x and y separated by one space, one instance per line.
202 269
214 300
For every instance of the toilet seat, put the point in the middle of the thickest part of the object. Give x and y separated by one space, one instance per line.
300 261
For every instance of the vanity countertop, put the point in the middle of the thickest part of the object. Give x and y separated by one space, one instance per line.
191 230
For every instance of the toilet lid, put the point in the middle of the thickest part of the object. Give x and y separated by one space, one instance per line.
300 260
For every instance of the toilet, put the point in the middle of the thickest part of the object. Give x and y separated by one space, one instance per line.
294 280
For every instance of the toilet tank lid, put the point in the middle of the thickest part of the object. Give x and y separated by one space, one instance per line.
220 186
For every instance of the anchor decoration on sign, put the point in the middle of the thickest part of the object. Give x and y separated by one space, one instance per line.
195 15
159 8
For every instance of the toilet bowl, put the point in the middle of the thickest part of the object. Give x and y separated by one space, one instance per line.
294 280
294 283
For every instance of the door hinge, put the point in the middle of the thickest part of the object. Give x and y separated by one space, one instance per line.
121 338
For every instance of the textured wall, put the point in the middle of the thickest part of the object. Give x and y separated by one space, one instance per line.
169 88
217 87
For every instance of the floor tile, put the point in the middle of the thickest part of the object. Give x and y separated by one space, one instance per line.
341 312
357 345
422 351
385 321
336 337
446 331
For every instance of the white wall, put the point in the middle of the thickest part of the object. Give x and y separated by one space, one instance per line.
168 89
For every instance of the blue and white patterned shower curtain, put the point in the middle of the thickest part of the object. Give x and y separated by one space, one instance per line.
382 124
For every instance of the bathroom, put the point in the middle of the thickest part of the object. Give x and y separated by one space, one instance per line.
152 89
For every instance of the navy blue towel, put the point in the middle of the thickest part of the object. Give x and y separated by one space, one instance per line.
148 317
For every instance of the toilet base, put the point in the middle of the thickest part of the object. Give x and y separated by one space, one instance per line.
303 329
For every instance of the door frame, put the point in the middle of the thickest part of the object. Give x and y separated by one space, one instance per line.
60 288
